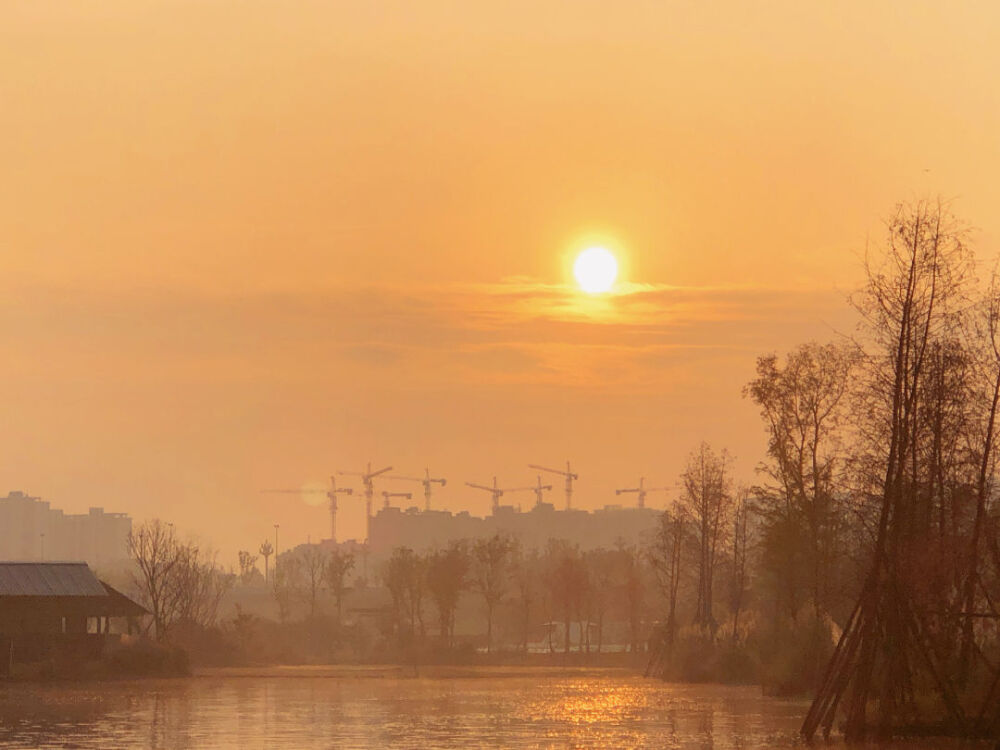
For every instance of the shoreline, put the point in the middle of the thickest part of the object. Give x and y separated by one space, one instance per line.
397 671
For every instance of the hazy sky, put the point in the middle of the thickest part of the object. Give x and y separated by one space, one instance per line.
244 244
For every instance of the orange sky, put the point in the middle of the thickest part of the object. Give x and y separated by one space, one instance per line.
245 244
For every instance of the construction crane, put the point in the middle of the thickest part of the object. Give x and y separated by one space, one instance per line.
495 491
366 479
568 474
427 482
331 494
538 489
387 495
642 490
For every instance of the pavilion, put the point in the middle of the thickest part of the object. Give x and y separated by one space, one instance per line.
59 609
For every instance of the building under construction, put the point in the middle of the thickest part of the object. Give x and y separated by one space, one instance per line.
421 529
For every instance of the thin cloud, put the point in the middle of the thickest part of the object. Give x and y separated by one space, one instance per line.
519 330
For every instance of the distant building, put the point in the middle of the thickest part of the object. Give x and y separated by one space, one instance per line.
417 529
31 530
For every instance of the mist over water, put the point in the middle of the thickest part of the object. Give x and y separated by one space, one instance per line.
305 708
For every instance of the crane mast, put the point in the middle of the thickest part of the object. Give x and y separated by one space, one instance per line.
367 478
331 495
641 491
427 481
568 475
537 488
494 491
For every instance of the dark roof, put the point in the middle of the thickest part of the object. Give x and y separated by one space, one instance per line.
49 579
121 605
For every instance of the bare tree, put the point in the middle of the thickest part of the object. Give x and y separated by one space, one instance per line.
447 576
707 501
405 575
248 567
312 563
490 574
914 296
666 554
525 574
338 566
633 590
157 555
740 550
600 564
803 405
287 584
200 584
564 580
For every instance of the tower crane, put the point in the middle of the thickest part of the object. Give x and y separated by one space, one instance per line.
537 488
568 474
642 490
387 495
495 491
427 482
366 479
331 495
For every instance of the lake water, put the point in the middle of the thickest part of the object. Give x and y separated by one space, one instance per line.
303 708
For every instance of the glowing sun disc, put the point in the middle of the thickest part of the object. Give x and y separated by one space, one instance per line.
595 270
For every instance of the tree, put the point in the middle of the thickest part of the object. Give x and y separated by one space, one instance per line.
248 567
665 556
525 568
178 582
633 591
447 576
565 580
740 548
201 584
490 572
287 584
404 576
157 555
600 566
338 566
915 295
312 564
803 404
707 501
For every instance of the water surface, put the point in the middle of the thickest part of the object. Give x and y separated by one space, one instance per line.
302 708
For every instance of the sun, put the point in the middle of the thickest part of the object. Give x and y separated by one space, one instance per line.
595 270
